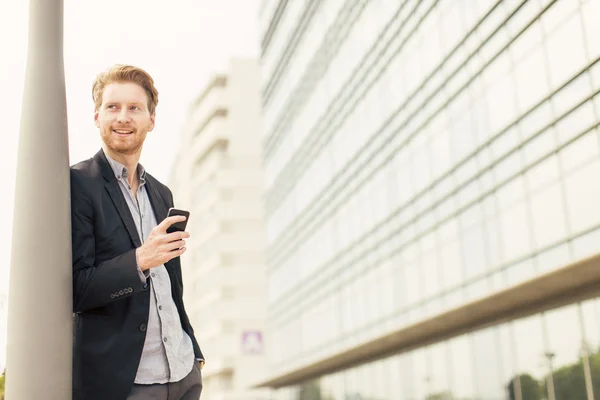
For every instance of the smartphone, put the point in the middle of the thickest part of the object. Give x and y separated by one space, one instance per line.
178 226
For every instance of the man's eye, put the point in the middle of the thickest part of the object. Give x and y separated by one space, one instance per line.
134 108
111 106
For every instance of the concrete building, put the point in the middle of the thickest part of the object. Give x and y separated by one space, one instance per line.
432 198
218 178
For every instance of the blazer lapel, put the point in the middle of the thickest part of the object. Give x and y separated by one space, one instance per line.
112 186
117 197
156 201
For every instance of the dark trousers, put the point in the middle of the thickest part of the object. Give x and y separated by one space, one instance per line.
189 388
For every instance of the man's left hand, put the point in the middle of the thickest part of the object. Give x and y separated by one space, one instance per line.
201 364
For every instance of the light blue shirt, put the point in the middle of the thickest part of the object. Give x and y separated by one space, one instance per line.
168 354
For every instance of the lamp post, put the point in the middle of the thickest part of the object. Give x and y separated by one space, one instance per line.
550 381
39 342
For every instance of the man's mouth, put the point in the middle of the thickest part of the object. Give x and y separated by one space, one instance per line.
123 131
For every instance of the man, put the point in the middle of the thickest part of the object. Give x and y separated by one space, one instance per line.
132 336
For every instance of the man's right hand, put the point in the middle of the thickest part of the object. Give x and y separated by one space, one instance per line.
161 246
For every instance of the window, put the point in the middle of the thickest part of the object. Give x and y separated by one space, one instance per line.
583 196
515 232
566 54
547 209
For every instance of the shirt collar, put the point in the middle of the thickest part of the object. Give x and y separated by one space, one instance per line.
121 171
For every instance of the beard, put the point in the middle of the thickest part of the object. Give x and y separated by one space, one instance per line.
126 145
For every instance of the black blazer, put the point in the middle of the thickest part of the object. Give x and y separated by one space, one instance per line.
110 302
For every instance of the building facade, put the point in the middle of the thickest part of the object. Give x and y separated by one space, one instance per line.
218 178
432 174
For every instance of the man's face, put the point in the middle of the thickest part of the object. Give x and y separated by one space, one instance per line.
123 117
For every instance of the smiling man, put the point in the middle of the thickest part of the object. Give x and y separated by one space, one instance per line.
132 337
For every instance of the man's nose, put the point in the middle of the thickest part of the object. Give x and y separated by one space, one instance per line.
123 116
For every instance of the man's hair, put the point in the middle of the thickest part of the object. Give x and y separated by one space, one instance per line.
125 73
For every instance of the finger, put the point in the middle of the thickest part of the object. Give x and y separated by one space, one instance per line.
177 244
170 221
170 237
177 252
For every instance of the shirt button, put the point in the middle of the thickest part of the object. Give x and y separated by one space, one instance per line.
165 340
160 307
143 327
153 274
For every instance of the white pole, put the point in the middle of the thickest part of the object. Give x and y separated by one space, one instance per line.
39 343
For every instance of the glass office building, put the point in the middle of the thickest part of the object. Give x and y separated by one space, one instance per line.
432 198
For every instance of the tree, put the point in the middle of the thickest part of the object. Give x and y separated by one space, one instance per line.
569 382
2 379
530 388
310 391
440 396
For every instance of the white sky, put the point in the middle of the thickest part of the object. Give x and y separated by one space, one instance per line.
181 43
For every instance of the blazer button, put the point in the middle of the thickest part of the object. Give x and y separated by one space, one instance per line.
143 327
112 295
129 290
121 293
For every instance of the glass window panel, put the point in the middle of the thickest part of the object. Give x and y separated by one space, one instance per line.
422 373
439 385
386 288
566 54
462 376
511 193
506 351
557 14
487 368
515 232
583 196
580 151
520 272
411 274
406 374
493 241
452 272
501 102
440 148
542 174
508 167
430 274
571 95
591 324
473 250
590 12
532 80
562 357
540 146
505 143
352 383
536 120
530 39
547 209
527 337
564 335
395 381
587 245
556 257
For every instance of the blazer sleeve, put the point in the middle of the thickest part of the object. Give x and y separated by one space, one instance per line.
96 284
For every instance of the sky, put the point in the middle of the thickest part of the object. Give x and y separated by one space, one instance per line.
181 43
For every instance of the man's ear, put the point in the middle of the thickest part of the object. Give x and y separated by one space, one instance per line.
152 119
96 118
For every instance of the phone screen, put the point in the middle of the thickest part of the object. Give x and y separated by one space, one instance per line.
178 226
